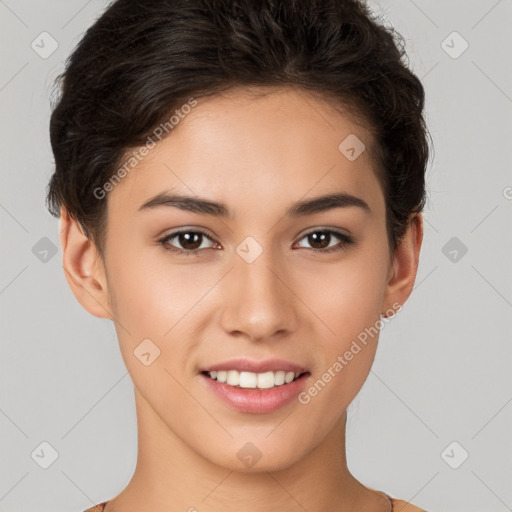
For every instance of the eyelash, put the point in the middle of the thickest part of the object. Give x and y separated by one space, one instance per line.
345 241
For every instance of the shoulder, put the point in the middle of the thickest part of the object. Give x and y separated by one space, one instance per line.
97 508
405 506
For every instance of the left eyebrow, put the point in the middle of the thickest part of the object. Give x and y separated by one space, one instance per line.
299 209
324 203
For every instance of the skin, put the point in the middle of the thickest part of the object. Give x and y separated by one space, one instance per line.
259 156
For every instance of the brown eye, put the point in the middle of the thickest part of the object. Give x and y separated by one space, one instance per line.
190 241
321 240
185 241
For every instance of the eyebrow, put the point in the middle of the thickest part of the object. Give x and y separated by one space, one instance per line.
299 209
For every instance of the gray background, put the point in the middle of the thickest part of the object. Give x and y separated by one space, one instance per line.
442 371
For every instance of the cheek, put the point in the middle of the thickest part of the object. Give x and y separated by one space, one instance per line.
156 301
151 294
348 299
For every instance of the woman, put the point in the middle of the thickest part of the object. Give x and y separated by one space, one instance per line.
240 187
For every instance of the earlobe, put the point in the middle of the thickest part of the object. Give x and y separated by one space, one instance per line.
405 264
83 268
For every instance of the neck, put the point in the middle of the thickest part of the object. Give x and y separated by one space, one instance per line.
170 476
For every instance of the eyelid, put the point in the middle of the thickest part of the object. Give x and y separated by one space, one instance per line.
186 229
172 234
332 229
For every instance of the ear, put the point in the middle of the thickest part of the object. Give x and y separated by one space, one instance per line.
405 264
83 268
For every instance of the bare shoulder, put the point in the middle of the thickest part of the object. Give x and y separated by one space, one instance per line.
405 506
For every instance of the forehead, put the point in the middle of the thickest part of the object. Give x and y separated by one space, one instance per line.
253 147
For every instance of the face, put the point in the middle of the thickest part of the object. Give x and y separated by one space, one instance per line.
262 270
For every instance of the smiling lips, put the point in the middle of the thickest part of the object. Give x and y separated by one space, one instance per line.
246 373
253 380
256 387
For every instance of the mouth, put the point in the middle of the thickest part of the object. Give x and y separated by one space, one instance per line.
253 380
255 393
256 387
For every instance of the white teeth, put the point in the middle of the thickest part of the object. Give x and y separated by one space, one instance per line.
266 380
248 380
288 377
233 378
252 380
279 378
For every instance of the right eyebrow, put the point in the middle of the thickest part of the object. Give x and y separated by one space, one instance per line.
189 203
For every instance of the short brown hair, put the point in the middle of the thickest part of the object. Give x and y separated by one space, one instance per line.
141 60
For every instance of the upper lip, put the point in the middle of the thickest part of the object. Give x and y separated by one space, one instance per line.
248 365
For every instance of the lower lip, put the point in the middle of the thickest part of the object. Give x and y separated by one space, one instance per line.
256 401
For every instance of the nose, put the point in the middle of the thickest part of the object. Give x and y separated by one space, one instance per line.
259 303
